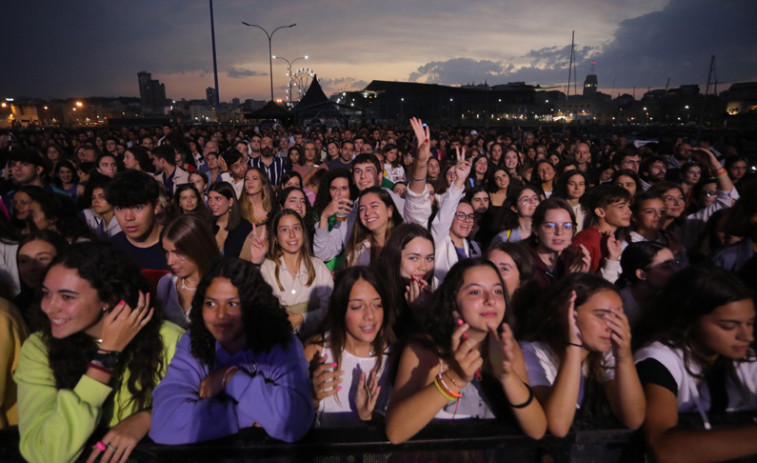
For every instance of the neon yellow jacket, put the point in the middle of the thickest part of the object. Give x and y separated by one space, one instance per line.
12 334
55 424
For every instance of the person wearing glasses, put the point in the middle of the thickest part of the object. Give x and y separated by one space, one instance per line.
554 225
517 212
454 224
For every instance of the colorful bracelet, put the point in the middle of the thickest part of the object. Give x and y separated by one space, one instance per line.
442 391
528 400
448 389
100 368
721 173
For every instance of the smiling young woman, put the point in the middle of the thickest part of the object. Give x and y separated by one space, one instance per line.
302 283
467 351
96 362
349 358
377 215
240 365
697 358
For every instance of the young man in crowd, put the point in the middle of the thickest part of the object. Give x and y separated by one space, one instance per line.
134 197
610 207
236 170
168 173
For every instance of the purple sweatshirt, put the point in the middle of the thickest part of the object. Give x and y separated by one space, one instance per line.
270 389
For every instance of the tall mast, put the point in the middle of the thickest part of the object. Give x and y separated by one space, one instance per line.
570 66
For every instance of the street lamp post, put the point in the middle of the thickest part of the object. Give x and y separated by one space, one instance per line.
289 64
270 52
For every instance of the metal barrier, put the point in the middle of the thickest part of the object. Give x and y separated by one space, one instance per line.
596 439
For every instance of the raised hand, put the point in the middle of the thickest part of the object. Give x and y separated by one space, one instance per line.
614 248
417 292
325 378
582 263
462 168
338 205
122 323
467 358
258 246
501 350
422 133
574 333
617 321
367 393
707 159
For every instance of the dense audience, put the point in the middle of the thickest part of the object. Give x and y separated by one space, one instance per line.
394 275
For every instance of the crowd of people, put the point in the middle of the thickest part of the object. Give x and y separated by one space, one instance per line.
183 283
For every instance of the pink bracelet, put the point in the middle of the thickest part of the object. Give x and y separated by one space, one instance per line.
226 375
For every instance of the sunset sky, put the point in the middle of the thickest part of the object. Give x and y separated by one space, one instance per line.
85 48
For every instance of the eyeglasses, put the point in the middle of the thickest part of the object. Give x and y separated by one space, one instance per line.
462 217
531 200
674 199
552 227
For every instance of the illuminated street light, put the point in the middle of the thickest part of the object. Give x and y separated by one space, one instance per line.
270 53
290 63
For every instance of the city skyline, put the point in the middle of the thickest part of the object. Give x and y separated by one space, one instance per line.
90 48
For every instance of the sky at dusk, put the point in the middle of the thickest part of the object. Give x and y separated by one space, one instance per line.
58 49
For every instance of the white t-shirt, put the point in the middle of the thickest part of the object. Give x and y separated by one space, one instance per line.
542 366
340 410
693 395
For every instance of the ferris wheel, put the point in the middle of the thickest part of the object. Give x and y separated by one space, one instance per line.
300 82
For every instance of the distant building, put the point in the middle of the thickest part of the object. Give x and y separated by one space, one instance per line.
152 94
590 86
742 98
201 114
210 96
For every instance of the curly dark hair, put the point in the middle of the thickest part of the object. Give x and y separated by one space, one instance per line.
115 277
266 323
323 197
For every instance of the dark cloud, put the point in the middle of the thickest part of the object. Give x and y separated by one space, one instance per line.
236 73
457 71
676 42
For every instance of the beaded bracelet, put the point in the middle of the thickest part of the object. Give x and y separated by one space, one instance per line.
528 400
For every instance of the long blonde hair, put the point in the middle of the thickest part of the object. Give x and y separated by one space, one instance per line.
244 202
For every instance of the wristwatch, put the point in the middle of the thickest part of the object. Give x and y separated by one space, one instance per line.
108 360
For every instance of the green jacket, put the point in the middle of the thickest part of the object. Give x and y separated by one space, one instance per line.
55 424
